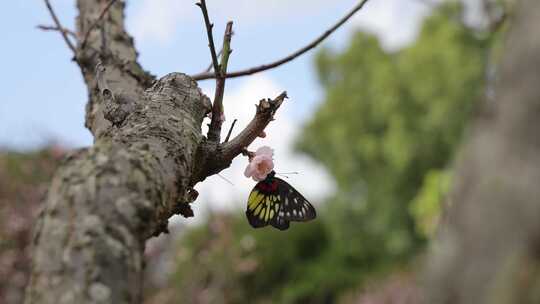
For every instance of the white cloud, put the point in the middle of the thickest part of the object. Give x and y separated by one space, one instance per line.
250 10
313 181
156 20
395 22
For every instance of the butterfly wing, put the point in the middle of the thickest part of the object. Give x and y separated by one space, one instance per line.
294 206
263 206
275 202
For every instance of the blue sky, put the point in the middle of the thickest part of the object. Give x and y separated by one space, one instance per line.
42 95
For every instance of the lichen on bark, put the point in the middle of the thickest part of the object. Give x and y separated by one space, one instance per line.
106 200
148 153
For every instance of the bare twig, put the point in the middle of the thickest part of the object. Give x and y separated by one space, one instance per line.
209 27
249 154
225 179
96 22
292 56
59 26
57 29
211 65
264 115
216 158
230 130
214 131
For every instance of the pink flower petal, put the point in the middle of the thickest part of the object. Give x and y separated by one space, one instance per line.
265 150
261 164
249 171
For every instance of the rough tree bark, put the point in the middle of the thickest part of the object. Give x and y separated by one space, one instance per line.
105 201
149 152
489 248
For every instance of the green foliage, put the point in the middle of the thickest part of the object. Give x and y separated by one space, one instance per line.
386 122
230 262
426 206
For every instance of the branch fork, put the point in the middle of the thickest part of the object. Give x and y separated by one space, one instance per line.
298 53
66 32
213 154
117 106
214 157
214 131
109 199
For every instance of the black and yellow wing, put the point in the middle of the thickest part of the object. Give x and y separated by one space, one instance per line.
273 201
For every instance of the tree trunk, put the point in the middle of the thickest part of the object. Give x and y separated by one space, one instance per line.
105 201
489 248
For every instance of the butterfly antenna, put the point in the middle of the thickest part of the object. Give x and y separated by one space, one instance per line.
225 179
284 174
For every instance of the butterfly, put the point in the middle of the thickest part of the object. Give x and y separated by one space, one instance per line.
273 201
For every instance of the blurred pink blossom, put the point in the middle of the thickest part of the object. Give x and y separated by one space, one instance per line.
57 150
260 164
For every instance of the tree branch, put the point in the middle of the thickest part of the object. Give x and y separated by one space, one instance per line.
96 22
230 130
55 28
292 56
263 116
118 56
209 27
211 65
107 200
59 26
214 130
214 158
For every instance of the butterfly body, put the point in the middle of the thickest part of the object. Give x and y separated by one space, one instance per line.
274 202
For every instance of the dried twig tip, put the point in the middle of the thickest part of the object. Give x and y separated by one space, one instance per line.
60 27
248 153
